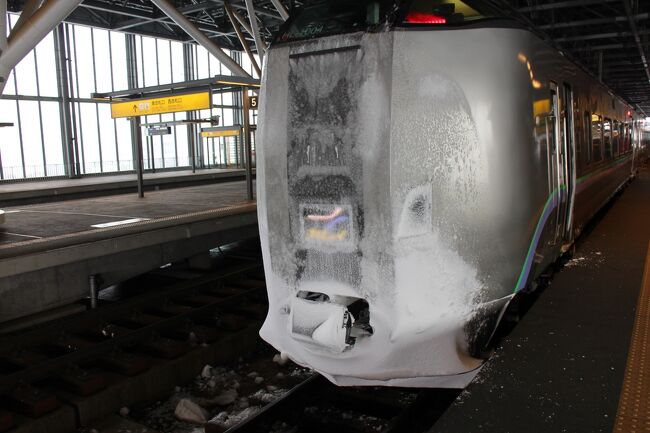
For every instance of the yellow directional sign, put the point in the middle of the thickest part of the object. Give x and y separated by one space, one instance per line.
234 132
168 104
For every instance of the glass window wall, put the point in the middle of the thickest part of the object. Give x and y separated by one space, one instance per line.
34 148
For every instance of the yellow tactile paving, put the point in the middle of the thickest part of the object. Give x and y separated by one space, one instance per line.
634 406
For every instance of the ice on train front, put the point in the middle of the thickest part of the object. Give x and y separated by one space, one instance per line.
364 286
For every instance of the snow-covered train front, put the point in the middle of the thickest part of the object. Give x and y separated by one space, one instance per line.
399 188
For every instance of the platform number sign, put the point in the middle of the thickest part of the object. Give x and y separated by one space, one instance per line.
252 102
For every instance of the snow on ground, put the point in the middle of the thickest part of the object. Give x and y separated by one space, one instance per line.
223 395
590 259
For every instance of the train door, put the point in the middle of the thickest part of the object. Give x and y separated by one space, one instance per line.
569 162
557 160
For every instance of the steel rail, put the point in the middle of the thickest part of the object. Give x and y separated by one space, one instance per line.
277 407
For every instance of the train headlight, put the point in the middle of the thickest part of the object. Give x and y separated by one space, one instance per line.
415 219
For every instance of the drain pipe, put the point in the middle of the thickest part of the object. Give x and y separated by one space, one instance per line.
94 281
200 37
36 27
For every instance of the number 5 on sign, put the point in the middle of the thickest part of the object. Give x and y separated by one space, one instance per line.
252 102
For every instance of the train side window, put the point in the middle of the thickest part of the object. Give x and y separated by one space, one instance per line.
616 138
596 137
628 137
578 134
607 138
586 138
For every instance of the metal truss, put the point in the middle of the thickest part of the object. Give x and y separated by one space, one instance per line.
143 17
609 38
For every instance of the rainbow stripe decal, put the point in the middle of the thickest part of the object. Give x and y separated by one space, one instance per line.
551 203
556 197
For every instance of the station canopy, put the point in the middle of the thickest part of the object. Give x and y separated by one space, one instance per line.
609 38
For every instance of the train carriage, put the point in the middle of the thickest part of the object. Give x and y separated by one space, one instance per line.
422 163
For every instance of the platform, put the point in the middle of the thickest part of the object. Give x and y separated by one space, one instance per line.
562 368
49 251
19 193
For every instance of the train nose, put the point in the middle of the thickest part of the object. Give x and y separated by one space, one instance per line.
330 323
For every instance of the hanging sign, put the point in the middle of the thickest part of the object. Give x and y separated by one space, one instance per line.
220 132
164 130
168 104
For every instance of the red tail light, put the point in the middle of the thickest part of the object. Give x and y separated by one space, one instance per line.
424 18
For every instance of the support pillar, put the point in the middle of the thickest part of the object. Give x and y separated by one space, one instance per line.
136 133
247 145
137 139
65 112
188 61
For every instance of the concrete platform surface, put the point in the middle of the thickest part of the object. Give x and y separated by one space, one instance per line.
561 369
41 191
48 252
25 223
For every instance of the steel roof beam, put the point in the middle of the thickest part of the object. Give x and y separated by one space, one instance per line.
185 10
200 37
281 9
593 36
242 39
119 10
29 8
592 22
3 28
563 4
37 26
637 39
247 27
254 27
618 46
600 36
600 47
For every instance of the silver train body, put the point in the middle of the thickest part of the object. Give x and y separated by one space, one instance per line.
410 183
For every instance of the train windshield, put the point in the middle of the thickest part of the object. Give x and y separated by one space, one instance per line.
322 18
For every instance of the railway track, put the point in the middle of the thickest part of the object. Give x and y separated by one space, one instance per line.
315 405
77 369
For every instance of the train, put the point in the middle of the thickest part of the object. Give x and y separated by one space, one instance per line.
421 164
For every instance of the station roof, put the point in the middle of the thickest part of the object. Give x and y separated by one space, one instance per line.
143 17
609 38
